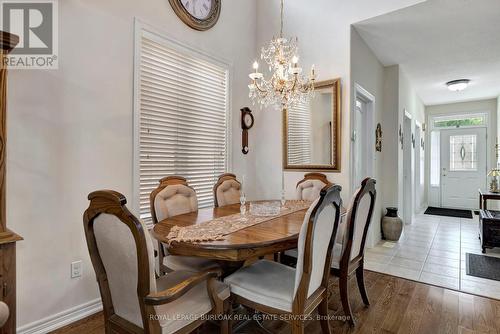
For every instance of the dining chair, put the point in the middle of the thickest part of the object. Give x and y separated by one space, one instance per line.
348 256
310 186
173 197
227 190
134 300
275 288
309 189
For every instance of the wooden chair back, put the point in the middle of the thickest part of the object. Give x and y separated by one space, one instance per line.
315 245
359 216
227 190
159 208
310 186
122 256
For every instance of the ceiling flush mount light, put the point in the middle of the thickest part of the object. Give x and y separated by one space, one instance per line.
287 85
458 85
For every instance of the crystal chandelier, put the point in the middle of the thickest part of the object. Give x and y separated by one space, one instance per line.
287 86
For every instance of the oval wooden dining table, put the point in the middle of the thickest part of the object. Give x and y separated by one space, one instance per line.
272 236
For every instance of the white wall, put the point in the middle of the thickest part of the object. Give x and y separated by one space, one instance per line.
411 103
368 72
490 106
390 137
70 132
393 94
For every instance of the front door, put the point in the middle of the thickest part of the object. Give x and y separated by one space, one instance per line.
463 167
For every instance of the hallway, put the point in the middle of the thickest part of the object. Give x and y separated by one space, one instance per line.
432 250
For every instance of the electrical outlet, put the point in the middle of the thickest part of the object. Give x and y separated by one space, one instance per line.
76 269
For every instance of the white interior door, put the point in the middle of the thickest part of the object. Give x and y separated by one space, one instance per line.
359 142
463 167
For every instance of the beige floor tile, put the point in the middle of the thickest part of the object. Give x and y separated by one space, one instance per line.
403 272
406 263
441 270
440 280
446 254
443 261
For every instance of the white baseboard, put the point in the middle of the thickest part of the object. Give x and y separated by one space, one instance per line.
61 319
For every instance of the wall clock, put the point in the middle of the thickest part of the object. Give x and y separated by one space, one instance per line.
247 121
198 14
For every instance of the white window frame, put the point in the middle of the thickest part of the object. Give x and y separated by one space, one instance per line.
437 117
143 29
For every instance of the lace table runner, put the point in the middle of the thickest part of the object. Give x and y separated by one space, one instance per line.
217 228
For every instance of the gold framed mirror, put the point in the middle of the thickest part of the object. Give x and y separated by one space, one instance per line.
311 131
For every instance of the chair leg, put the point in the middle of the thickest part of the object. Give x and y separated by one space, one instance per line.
297 327
344 297
226 325
323 313
361 285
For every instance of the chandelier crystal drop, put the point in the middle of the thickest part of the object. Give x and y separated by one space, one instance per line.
287 85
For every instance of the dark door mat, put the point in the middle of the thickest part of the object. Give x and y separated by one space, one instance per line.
482 266
448 212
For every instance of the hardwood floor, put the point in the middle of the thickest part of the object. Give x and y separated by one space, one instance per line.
397 306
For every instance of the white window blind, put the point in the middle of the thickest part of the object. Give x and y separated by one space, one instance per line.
299 134
183 106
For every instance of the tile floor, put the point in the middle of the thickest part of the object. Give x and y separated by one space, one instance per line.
432 250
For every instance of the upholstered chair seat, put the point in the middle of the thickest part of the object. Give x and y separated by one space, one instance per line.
122 253
189 263
194 303
175 197
265 282
273 287
227 190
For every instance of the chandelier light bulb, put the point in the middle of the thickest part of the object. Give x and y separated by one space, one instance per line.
295 60
255 65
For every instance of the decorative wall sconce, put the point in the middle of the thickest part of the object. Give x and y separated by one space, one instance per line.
401 136
378 138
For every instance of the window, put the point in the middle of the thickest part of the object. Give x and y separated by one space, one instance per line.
299 134
470 120
463 153
182 115
435 159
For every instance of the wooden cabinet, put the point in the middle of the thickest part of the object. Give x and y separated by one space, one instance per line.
8 283
489 229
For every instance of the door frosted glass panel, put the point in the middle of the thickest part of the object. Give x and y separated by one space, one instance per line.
463 153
